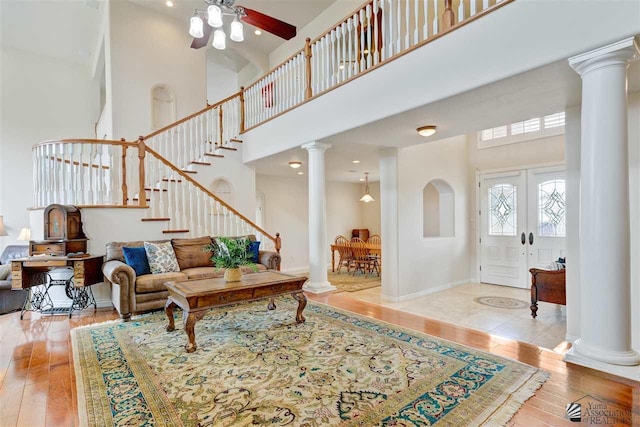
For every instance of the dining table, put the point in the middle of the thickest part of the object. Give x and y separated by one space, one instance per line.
374 249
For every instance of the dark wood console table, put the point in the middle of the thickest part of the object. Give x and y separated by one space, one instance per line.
27 273
547 286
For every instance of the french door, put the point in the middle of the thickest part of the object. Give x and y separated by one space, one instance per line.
522 223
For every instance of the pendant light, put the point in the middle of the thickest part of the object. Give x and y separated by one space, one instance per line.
196 29
237 35
366 197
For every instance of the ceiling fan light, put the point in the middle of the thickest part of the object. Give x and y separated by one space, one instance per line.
219 40
237 33
214 14
196 29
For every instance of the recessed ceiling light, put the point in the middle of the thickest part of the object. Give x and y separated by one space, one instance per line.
295 165
352 171
169 3
426 130
301 173
355 162
361 179
257 32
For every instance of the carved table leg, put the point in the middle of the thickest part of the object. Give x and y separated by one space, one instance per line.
333 261
168 309
302 303
272 304
190 320
534 309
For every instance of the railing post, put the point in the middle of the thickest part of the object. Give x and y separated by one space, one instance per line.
278 244
448 17
142 194
221 127
307 54
241 109
125 191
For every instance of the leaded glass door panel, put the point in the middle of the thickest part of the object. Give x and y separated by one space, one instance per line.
503 220
546 216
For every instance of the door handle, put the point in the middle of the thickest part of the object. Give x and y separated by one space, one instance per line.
531 238
523 239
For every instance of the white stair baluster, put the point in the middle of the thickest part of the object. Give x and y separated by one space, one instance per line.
361 38
461 12
435 17
368 51
376 32
425 12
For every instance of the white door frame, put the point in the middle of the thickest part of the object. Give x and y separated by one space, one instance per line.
476 216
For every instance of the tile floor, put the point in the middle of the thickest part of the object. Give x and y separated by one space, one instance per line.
456 305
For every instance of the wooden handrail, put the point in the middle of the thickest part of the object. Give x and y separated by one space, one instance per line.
191 116
85 141
186 177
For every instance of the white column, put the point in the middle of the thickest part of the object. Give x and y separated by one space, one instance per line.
605 331
389 224
318 248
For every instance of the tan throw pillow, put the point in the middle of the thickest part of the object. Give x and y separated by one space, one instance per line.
5 271
161 257
190 253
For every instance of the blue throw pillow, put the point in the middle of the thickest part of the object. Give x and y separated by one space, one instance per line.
254 247
136 258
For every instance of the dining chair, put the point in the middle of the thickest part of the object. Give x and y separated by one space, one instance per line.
375 240
361 260
344 253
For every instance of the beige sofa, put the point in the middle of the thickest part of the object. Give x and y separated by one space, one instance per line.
133 294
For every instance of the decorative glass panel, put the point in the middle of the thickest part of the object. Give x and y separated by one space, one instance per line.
551 209
503 219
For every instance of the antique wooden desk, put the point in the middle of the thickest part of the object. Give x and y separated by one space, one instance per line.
197 296
27 273
373 249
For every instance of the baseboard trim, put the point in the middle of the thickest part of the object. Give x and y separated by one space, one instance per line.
424 292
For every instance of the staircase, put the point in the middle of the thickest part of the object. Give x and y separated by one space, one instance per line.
155 172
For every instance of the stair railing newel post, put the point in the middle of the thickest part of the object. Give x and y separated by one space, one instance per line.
242 113
125 191
448 17
307 55
142 194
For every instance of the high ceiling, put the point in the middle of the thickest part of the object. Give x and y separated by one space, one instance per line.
296 12
68 29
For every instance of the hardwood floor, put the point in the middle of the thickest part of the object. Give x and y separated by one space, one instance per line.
37 384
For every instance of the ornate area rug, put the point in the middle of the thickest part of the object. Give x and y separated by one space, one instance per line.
501 302
255 366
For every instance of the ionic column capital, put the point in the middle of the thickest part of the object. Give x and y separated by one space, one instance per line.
316 146
615 54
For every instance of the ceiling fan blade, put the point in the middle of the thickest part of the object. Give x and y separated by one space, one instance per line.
202 41
267 23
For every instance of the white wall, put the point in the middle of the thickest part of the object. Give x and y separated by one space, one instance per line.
221 82
428 264
148 48
42 98
287 207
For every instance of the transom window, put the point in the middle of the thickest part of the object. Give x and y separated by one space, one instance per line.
534 128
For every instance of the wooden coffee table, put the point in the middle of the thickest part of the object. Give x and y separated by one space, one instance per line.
197 296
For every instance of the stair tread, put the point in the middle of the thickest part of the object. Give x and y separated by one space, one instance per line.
188 171
201 163
175 231
224 147
170 180
213 155
155 189
236 140
156 219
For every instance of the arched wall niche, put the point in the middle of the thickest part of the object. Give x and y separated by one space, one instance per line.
438 209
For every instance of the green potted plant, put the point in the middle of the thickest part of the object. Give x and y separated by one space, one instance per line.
231 254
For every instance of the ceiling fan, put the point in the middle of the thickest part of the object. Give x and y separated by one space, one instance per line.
201 29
